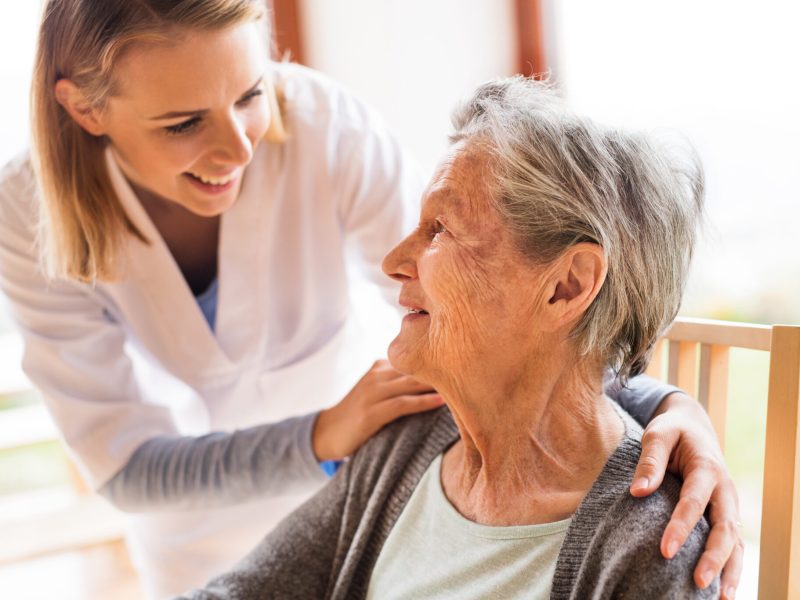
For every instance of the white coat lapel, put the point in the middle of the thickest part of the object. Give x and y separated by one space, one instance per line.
243 259
156 299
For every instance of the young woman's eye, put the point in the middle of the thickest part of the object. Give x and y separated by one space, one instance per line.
245 100
183 127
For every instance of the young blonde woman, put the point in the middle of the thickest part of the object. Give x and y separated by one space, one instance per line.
175 250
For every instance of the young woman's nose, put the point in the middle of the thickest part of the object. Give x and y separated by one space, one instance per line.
400 263
234 145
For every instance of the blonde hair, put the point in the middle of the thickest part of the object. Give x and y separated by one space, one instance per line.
82 222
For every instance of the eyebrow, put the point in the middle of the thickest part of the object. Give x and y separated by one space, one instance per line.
448 202
175 114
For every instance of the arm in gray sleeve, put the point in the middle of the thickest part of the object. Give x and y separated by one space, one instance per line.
641 397
218 469
297 558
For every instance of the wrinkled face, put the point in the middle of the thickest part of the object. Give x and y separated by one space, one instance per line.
469 292
187 117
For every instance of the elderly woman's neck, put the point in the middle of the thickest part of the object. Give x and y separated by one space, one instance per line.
541 439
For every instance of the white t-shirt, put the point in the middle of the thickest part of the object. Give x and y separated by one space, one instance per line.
433 552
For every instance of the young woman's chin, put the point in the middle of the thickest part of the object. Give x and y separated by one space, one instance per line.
209 204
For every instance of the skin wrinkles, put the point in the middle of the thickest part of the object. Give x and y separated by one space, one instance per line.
464 260
493 347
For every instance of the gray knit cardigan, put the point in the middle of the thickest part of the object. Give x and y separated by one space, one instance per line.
328 547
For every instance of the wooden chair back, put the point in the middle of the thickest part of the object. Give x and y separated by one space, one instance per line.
694 355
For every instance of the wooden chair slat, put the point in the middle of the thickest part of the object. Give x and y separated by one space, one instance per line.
779 573
687 367
655 368
713 385
722 333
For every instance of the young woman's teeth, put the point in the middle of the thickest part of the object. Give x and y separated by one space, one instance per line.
214 180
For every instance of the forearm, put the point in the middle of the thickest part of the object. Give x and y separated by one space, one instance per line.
295 560
217 469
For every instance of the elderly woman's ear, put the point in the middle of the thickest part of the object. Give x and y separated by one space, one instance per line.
575 280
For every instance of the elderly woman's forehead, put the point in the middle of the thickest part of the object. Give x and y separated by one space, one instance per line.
462 176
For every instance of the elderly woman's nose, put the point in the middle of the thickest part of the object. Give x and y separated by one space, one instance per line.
399 264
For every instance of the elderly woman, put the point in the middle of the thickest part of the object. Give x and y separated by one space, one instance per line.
549 250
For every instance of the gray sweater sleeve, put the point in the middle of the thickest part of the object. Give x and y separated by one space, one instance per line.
641 397
218 469
297 559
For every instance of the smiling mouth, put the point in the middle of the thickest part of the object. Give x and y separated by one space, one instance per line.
216 181
417 311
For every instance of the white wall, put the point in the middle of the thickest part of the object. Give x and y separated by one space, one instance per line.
724 72
18 23
412 60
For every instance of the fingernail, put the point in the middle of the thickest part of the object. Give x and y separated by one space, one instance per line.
706 577
672 548
731 593
640 484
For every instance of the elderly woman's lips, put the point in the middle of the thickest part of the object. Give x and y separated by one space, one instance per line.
414 314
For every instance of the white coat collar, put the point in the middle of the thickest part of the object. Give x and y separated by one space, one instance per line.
172 306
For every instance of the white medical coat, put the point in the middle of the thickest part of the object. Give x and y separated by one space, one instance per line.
120 362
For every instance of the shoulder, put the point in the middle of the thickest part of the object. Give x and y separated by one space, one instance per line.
323 114
18 201
419 437
351 147
631 536
17 170
306 94
614 539
18 191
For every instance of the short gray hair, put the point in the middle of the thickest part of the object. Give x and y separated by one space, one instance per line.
560 179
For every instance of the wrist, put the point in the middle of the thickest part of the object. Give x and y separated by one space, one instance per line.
677 400
320 444
680 402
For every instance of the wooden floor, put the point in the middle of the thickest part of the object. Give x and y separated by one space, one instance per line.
98 572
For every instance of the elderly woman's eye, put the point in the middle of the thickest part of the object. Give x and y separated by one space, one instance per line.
437 228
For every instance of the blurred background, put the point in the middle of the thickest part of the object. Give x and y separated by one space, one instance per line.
720 72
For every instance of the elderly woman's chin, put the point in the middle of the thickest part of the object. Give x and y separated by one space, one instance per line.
406 353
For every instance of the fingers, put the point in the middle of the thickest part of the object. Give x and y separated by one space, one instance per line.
389 382
695 493
404 385
724 546
382 370
721 542
732 571
408 404
656 449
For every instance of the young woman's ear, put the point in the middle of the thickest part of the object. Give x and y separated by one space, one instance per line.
78 107
575 283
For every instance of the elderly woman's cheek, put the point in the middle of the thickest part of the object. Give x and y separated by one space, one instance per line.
466 303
